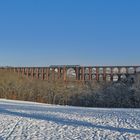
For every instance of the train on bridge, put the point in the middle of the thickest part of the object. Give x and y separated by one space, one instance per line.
76 72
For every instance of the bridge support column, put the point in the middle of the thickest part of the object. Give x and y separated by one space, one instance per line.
83 74
23 72
37 73
14 69
64 73
18 72
59 73
47 74
53 74
42 74
27 72
119 74
127 70
90 77
77 73
111 74
104 74
97 74
32 73
135 70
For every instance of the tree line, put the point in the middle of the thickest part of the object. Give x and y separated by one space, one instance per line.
89 94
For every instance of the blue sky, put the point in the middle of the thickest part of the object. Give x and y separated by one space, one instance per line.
85 32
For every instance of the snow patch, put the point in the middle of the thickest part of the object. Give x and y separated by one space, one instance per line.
20 120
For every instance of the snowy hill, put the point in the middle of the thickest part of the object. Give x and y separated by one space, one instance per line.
27 120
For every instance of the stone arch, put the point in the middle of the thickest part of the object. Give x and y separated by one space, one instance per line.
61 70
56 70
108 78
115 78
93 70
56 73
131 78
138 69
131 70
123 70
80 70
86 70
39 70
123 77
86 77
100 77
101 70
93 77
115 70
108 70
71 73
34 70
51 73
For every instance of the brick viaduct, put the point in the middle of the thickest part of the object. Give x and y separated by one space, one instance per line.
76 72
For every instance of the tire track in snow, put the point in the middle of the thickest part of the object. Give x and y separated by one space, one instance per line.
13 129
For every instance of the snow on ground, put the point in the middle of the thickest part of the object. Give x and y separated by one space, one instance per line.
34 121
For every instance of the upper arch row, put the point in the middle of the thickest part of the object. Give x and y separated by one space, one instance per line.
115 70
101 70
108 70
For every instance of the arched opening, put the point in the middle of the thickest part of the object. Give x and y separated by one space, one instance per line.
45 73
115 78
93 77
123 77
51 74
100 77
28 72
108 70
56 70
131 78
71 74
101 71
93 70
56 73
86 70
108 78
86 77
115 70
131 70
138 69
123 70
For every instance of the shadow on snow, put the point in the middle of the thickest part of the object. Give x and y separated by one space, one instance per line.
63 121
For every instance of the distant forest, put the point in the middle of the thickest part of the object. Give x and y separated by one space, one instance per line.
124 94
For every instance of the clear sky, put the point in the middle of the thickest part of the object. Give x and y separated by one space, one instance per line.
85 32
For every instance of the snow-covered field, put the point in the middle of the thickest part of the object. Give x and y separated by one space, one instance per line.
26 120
